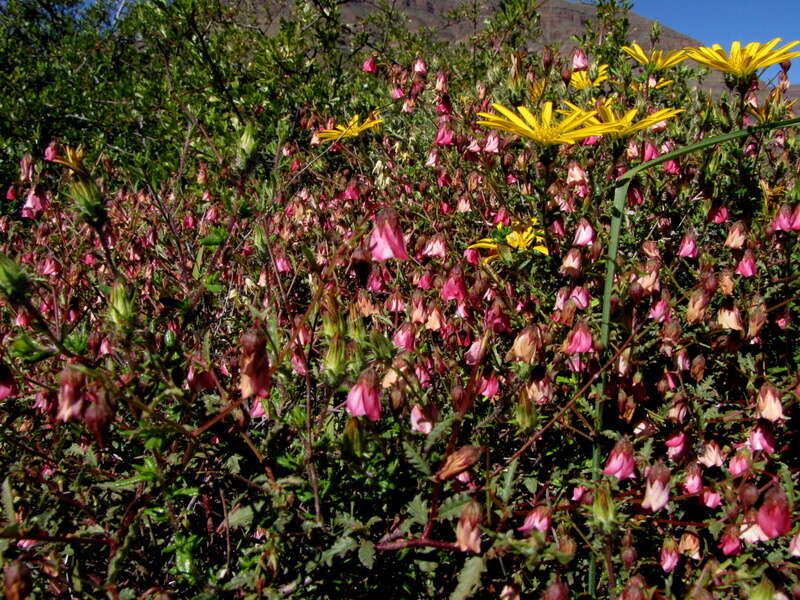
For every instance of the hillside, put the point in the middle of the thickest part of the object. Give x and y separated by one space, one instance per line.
560 20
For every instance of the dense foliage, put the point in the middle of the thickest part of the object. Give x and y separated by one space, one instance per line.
253 347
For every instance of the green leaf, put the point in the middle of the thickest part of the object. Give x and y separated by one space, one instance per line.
416 459
215 238
508 481
452 506
418 510
340 547
240 517
437 432
469 578
366 554
125 484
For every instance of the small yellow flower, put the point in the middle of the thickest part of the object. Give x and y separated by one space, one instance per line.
521 236
582 80
743 62
657 59
624 125
353 129
575 126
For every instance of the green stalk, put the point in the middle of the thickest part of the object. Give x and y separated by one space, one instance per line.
620 195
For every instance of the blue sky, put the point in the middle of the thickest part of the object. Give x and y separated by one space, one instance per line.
725 21
722 22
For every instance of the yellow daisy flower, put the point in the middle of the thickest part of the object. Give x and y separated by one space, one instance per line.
657 59
521 237
743 62
353 129
624 125
575 125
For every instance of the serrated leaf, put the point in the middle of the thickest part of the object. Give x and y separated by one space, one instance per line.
452 506
340 547
714 528
508 481
416 459
240 517
469 579
8 502
437 432
366 554
418 510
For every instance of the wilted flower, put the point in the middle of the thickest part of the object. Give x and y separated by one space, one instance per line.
750 531
635 589
656 493
459 461
690 545
712 455
737 235
728 317
528 344
468 533
254 366
794 545
768 403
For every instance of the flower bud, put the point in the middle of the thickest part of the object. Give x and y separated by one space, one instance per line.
89 202
603 507
120 306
